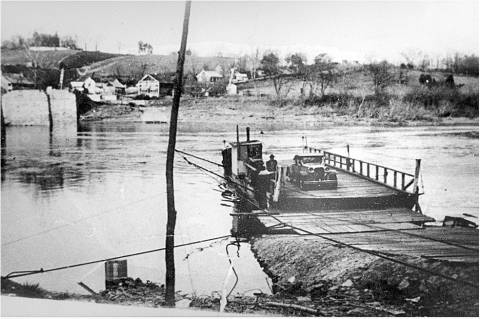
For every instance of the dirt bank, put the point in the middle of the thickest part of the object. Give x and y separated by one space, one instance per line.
261 111
312 267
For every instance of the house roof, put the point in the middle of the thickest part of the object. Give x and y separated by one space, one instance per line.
210 74
148 77
116 83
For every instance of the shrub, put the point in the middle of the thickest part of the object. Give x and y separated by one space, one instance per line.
340 100
142 97
447 101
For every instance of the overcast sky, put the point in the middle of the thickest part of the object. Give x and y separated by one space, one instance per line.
358 29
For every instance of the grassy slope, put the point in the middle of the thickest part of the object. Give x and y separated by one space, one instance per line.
133 64
51 59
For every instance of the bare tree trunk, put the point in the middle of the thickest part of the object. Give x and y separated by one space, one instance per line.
172 214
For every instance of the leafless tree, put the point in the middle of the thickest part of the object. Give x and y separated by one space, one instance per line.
382 76
282 82
38 61
318 76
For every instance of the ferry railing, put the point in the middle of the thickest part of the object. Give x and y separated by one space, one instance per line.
387 176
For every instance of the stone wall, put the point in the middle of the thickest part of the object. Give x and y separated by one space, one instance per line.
25 107
63 107
32 107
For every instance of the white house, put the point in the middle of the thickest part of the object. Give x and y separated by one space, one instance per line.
76 85
119 87
148 85
91 86
239 77
208 76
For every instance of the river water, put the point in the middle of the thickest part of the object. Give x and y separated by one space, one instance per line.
70 197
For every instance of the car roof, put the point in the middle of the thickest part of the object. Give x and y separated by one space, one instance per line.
310 155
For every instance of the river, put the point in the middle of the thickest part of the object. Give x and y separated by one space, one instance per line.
70 197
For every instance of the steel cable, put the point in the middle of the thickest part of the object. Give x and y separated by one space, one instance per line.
41 270
456 280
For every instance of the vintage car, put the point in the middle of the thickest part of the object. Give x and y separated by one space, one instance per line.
309 171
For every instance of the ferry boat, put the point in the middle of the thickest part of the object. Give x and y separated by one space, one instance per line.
340 182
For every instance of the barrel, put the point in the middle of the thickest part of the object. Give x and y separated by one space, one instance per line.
115 273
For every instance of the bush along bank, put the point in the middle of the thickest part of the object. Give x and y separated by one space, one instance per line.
311 267
419 103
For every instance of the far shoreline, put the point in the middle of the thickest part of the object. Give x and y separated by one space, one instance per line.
254 112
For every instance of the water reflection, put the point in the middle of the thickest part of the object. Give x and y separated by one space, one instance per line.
71 196
46 169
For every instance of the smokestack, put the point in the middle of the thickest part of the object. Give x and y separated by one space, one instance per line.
248 134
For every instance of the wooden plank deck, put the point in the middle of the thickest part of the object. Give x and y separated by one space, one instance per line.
353 191
342 221
388 231
349 186
370 216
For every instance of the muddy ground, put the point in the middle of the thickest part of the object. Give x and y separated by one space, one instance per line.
322 271
314 278
244 110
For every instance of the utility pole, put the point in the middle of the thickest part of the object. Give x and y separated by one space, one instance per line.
172 214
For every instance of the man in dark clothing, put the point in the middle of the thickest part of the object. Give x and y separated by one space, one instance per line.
272 164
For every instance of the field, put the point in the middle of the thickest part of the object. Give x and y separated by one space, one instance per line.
353 95
135 64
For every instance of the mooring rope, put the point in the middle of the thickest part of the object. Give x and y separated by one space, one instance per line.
198 157
15 274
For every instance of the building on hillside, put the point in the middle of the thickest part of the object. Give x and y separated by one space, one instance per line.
148 85
208 76
76 86
16 81
239 77
260 73
119 87
91 86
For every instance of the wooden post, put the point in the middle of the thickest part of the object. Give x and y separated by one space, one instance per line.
394 178
172 214
376 172
403 180
368 169
62 72
417 174
361 167
385 174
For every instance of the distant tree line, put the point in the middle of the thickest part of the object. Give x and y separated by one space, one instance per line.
40 40
144 48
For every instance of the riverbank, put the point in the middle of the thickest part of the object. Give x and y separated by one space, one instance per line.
263 112
140 298
310 266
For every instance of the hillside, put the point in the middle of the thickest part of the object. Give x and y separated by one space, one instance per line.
51 59
132 65
48 59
